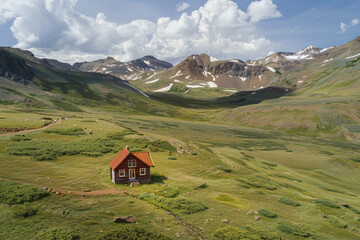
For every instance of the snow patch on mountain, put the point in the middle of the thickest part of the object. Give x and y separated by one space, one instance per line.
271 69
151 76
206 74
304 54
356 55
147 63
164 89
194 86
177 74
213 59
152 81
212 85
325 49
328 60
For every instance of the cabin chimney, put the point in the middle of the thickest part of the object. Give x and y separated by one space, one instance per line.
127 148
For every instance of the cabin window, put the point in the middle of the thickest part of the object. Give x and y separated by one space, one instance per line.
142 171
132 163
122 173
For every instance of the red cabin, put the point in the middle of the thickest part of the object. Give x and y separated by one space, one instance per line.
131 167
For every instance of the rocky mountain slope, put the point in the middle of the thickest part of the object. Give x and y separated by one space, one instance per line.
204 71
125 70
286 60
25 78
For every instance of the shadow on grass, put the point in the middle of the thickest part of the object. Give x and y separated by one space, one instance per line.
157 178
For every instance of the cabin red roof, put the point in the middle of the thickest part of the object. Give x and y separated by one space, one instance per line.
122 155
144 157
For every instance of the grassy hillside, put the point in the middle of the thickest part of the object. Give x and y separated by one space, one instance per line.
247 172
325 102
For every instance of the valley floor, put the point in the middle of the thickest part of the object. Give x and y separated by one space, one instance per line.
300 187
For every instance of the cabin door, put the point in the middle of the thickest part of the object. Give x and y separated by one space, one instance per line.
132 173
113 175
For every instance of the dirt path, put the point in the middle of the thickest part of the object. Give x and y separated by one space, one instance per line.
108 191
55 122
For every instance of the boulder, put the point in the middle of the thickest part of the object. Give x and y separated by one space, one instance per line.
250 212
134 184
159 219
131 219
119 220
257 218
5 205
128 219
225 220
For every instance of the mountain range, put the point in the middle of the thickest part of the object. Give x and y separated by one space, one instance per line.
320 83
203 71
125 70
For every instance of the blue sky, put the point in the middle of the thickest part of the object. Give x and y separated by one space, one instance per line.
77 30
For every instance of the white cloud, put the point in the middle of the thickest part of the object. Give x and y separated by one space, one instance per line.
343 27
263 9
180 7
53 28
354 22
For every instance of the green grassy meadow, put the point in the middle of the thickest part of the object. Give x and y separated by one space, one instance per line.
243 169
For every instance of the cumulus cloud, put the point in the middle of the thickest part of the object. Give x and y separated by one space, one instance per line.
53 28
344 27
263 9
354 22
180 7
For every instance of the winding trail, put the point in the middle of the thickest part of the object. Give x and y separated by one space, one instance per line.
53 123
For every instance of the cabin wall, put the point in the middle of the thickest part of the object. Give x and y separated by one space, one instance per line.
139 164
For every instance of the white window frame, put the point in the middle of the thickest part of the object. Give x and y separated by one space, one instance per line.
132 173
122 173
132 163
142 171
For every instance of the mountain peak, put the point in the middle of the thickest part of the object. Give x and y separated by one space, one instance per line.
310 50
149 57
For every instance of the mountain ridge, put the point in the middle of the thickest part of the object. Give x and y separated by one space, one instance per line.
125 70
